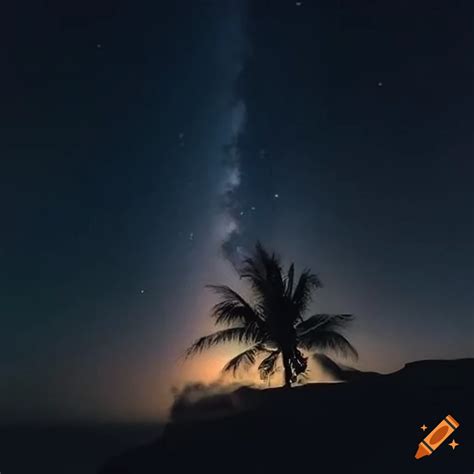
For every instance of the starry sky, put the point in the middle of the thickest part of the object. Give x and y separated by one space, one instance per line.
146 146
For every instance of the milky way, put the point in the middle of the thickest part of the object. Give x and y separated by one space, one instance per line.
228 223
229 231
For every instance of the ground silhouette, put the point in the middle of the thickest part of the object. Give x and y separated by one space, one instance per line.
369 424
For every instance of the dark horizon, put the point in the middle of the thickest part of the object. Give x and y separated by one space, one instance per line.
146 147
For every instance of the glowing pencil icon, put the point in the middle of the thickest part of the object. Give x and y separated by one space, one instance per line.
436 437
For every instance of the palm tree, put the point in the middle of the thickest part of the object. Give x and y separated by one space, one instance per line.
273 325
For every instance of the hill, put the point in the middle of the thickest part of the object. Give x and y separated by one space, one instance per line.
368 424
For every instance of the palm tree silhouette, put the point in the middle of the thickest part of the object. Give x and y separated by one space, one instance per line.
273 324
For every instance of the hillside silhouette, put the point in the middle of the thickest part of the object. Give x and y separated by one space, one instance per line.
371 423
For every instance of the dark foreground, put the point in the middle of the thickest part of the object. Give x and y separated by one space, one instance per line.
370 424
67 448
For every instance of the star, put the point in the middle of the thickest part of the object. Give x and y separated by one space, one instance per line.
453 444
380 84
298 4
191 236
424 427
142 291
242 213
276 196
253 208
99 46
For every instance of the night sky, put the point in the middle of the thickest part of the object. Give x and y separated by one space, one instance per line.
146 146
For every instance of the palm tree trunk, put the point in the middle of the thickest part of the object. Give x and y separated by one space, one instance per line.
287 370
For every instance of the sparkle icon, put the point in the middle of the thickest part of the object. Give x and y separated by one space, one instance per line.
453 444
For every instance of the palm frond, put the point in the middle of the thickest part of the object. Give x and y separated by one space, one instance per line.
233 308
264 272
247 334
268 365
323 322
327 340
306 284
271 262
289 280
255 275
245 359
299 363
